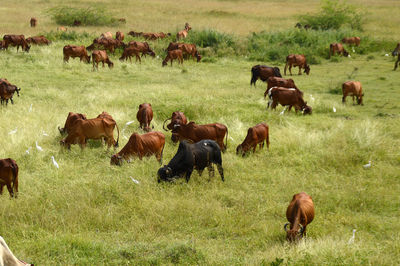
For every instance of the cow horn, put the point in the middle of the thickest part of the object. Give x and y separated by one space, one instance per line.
164 124
285 226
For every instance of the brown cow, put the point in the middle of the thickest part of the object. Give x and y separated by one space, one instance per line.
75 51
33 22
263 73
143 47
96 128
397 62
119 36
16 40
7 91
129 52
183 33
135 34
141 145
9 176
109 44
338 48
280 82
195 133
255 135
299 213
101 56
71 118
297 60
174 54
39 40
187 49
352 40
396 50
288 97
177 118
144 116
107 34
154 36
352 88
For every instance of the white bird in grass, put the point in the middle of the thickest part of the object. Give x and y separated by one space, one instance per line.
386 54
27 151
354 50
334 109
45 134
54 162
351 240
128 123
134 180
13 131
30 108
38 147
368 165
312 98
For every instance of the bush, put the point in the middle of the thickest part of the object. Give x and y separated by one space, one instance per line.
68 35
86 16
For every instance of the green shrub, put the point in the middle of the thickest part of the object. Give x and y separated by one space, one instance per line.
87 16
68 35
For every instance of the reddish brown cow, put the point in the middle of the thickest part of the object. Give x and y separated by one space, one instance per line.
297 60
337 48
9 176
76 51
129 52
71 118
187 49
39 40
352 88
195 133
106 35
33 22
109 44
96 128
299 213
288 97
177 118
352 40
16 40
397 62
141 145
7 91
183 33
143 47
101 56
144 116
135 34
174 54
280 82
255 135
263 73
396 50
119 36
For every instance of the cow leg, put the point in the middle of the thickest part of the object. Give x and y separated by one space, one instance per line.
200 171
15 187
286 68
102 63
1 189
353 98
397 63
221 171
12 101
188 174
10 190
290 69
299 70
273 105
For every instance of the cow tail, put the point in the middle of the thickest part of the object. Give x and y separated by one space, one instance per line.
116 144
254 75
277 72
226 139
14 170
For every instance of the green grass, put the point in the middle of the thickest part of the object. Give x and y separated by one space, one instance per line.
88 212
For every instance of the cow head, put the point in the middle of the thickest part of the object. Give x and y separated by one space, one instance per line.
164 62
239 149
198 57
116 159
307 69
307 110
292 234
110 64
17 90
151 53
27 48
345 53
164 174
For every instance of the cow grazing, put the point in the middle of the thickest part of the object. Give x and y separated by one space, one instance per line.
337 48
288 97
299 213
144 116
71 118
129 52
38 40
16 40
141 145
197 156
33 22
119 36
352 40
297 60
101 56
9 176
396 50
352 88
397 62
7 91
76 51
195 133
183 33
7 258
174 54
280 82
143 47
255 135
135 34
263 73
96 128
188 49
109 44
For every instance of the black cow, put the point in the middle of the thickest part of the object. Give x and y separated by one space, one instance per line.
193 156
263 73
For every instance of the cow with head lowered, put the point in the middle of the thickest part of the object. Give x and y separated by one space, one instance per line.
7 91
71 118
197 156
288 97
263 73
144 116
255 135
195 133
9 176
280 82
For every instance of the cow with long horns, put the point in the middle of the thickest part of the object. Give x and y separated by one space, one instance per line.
177 118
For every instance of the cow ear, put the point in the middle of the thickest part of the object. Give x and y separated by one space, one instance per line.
140 106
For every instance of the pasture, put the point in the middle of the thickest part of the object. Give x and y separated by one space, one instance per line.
88 212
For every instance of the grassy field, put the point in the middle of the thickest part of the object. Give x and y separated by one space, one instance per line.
88 212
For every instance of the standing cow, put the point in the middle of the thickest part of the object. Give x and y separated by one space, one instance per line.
33 22
9 176
288 97
75 51
353 88
71 118
16 40
298 60
144 116
7 91
100 56
255 135
263 73
280 82
337 48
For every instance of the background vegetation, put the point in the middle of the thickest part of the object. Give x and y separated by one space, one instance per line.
87 212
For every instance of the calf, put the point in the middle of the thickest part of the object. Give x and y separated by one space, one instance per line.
255 135
183 33
197 156
144 116
33 22
143 47
352 88
7 91
9 176
129 52
174 54
16 40
280 82
299 213
101 56
297 60
263 73
288 97
75 51
7 258
39 40
352 40
71 118
338 48
140 146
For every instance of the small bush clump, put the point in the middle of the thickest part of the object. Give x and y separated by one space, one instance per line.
85 16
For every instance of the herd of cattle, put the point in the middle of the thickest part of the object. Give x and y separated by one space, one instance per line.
200 145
